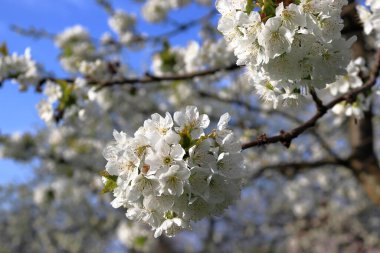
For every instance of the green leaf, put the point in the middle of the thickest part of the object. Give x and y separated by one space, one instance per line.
68 98
168 58
4 49
185 141
50 195
250 6
140 241
67 51
110 184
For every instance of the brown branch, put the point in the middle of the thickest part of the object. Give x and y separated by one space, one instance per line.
318 102
286 137
148 78
152 79
32 32
292 168
107 6
248 106
180 28
283 114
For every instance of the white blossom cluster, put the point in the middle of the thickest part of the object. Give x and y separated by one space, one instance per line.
20 68
45 107
136 236
101 70
349 81
79 54
355 109
171 173
370 17
123 24
193 57
157 10
76 46
290 49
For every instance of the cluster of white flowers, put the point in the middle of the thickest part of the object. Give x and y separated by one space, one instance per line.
371 19
123 24
193 57
76 46
136 236
287 48
79 54
102 71
355 108
45 107
170 172
349 81
157 10
20 68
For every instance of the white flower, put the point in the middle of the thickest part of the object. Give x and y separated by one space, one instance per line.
121 22
143 185
251 25
156 10
159 127
20 68
375 5
136 236
268 91
171 227
350 80
366 18
371 19
275 38
53 91
291 16
173 181
190 121
71 34
200 155
229 6
168 184
250 52
45 110
165 156
191 58
223 121
228 162
330 27
355 109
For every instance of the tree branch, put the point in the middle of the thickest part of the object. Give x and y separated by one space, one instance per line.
318 102
180 28
151 78
148 78
283 114
248 106
286 137
292 168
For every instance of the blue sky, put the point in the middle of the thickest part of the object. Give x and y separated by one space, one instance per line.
18 113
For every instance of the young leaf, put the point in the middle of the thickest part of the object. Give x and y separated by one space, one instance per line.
4 49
